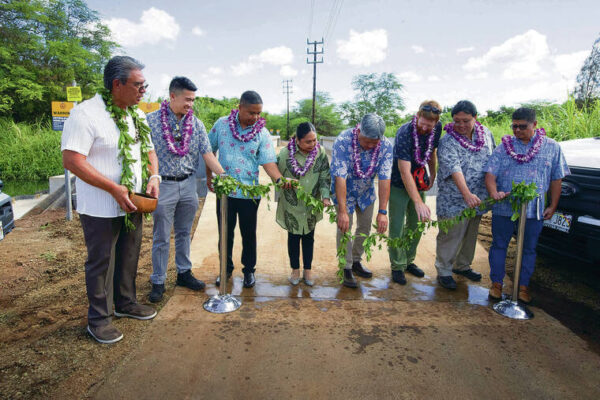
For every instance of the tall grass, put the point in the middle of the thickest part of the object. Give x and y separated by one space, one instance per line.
561 121
29 151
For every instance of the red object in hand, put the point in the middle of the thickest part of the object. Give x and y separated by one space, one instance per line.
421 178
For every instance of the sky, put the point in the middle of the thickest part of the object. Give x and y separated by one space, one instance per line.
490 52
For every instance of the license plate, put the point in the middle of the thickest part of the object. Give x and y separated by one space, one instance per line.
559 221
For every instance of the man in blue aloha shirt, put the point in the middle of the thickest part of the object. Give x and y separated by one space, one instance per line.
243 144
178 201
528 156
353 190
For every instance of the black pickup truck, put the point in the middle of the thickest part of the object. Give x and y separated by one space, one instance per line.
7 218
574 230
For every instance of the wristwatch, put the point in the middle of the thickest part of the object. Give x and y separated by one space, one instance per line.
383 212
156 176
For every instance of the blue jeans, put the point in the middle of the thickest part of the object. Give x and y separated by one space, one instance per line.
502 231
176 209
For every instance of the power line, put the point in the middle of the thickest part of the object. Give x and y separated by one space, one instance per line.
334 22
287 89
314 62
310 20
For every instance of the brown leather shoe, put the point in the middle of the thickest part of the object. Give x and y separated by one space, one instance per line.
496 291
106 334
524 295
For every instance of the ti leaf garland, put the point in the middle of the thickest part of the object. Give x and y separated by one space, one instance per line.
126 141
520 193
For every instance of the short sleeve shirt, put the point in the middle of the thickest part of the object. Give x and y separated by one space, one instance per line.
548 165
404 148
170 164
359 192
241 159
90 131
452 158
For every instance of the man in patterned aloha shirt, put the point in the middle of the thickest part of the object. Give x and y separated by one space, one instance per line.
528 156
462 155
243 144
178 149
353 189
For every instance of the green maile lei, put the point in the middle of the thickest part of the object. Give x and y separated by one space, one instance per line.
142 135
520 193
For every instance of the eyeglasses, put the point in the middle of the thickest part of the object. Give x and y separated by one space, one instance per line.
140 86
521 127
430 108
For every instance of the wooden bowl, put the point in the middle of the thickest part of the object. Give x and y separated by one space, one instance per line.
144 202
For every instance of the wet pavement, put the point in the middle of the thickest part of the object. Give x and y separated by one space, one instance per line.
380 341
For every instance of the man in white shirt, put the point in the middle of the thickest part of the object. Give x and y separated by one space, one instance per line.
92 148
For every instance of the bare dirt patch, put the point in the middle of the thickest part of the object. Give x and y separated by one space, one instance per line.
45 351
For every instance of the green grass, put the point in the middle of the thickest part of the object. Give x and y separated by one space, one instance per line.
29 152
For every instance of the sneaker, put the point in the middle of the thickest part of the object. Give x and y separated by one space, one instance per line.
187 279
156 294
416 271
447 282
136 311
495 291
349 280
398 277
524 295
359 269
106 334
469 274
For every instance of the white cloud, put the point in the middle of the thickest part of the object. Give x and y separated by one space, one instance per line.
417 49
433 78
569 65
364 49
520 56
287 71
409 76
281 55
197 31
464 49
476 76
215 70
212 82
154 26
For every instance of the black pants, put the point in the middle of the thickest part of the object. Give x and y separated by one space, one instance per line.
111 264
308 241
246 210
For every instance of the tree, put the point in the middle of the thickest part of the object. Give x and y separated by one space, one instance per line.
375 93
327 118
588 79
44 46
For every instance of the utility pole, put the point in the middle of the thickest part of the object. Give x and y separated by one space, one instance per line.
314 62
287 89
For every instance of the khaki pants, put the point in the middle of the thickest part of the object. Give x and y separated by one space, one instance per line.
354 248
457 246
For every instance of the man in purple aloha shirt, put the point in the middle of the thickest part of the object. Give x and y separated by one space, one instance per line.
528 156
243 144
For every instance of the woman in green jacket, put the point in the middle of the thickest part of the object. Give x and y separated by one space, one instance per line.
303 159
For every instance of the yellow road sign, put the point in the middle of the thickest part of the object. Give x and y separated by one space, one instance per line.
61 108
148 107
74 93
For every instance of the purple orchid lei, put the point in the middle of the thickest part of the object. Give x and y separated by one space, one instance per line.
356 154
421 161
462 139
250 135
310 159
186 135
508 141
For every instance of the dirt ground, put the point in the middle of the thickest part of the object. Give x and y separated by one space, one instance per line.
46 353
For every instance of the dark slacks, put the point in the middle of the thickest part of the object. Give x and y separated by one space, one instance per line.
246 211
111 264
308 242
